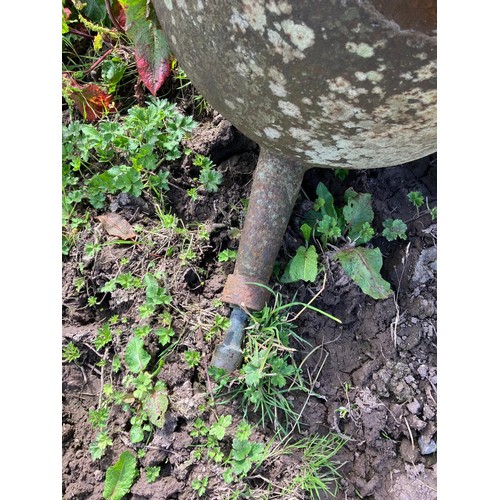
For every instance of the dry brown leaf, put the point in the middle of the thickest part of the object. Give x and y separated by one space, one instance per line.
116 225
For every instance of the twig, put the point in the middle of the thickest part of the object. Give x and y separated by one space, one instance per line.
411 434
99 61
312 300
395 321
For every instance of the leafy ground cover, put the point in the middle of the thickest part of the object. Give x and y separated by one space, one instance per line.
155 188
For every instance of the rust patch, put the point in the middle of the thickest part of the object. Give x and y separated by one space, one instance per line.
240 292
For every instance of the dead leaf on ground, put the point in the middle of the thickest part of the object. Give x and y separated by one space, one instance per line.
116 225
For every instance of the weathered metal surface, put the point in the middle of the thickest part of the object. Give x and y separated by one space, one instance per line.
327 83
228 353
242 291
276 184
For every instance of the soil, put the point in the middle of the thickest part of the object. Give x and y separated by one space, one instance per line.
379 365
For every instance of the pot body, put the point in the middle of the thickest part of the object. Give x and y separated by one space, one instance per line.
325 83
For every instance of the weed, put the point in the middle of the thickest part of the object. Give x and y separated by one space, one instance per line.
200 485
92 301
244 454
416 198
98 447
317 471
134 149
120 477
269 373
103 337
99 418
393 229
210 178
192 358
70 352
152 473
227 255
221 323
345 229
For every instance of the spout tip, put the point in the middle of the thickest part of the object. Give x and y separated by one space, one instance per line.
227 357
228 354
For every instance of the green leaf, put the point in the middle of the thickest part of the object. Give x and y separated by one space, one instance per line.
241 449
416 198
136 357
120 477
227 255
152 473
363 265
156 406
152 53
303 266
95 10
219 428
325 200
136 434
306 231
357 212
394 229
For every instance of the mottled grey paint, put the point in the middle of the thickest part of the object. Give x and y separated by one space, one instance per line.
329 83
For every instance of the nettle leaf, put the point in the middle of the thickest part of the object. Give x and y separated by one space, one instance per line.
357 212
156 406
120 477
152 53
363 266
136 357
303 266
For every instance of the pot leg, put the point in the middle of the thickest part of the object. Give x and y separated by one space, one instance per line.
276 184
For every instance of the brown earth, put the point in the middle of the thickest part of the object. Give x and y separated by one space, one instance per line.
377 383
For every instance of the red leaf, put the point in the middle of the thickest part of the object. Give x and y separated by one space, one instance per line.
90 99
152 53
152 76
119 14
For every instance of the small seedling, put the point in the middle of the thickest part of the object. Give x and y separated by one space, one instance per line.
92 301
152 473
394 229
200 485
192 358
99 418
416 199
218 429
98 447
103 336
227 255
210 178
70 352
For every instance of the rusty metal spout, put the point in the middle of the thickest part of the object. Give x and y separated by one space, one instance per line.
276 184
